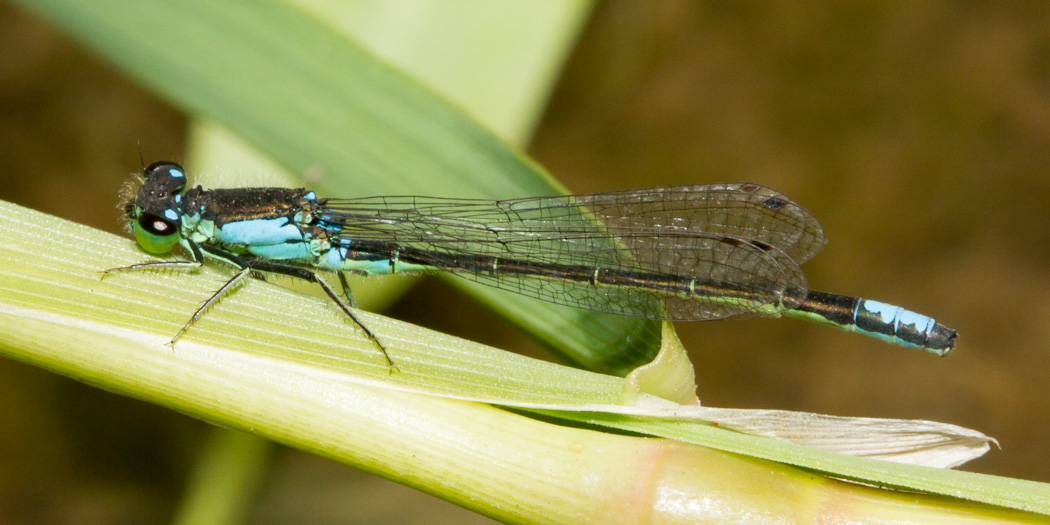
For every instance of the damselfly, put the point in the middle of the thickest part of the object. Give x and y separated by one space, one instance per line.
682 253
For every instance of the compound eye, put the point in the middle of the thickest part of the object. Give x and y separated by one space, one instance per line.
156 234
167 175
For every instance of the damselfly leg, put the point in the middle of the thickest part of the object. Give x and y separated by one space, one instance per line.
244 268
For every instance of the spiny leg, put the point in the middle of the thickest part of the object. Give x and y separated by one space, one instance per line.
346 290
154 265
243 272
162 265
232 283
309 275
198 257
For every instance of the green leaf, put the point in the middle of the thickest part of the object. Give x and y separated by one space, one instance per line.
496 59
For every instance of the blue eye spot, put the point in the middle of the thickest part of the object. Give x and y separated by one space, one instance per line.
178 198
310 196
176 173
171 215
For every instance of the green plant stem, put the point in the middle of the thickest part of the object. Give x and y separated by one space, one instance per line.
231 467
507 466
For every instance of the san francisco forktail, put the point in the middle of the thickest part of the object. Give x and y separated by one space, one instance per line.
680 253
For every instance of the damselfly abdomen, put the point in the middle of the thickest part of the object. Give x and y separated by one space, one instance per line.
682 253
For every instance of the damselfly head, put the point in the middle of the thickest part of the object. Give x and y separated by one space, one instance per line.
154 213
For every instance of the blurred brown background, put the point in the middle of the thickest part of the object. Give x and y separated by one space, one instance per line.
917 132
